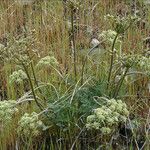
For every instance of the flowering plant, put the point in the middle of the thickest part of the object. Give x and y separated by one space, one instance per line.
107 117
121 24
17 76
30 124
47 61
7 111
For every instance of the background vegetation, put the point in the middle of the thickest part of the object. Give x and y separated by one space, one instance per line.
74 74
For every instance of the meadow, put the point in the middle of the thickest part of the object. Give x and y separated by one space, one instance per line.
74 75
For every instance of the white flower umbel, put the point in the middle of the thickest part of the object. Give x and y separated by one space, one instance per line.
17 76
108 117
47 61
7 111
30 125
144 64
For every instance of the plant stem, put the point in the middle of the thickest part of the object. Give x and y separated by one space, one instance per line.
32 88
120 83
112 60
34 76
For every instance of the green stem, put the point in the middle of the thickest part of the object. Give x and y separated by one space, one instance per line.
112 60
34 76
32 88
82 71
120 83
36 82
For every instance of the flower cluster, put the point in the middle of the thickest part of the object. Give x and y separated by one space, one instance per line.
121 24
17 49
144 64
47 61
7 110
137 61
109 36
107 117
30 125
17 76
